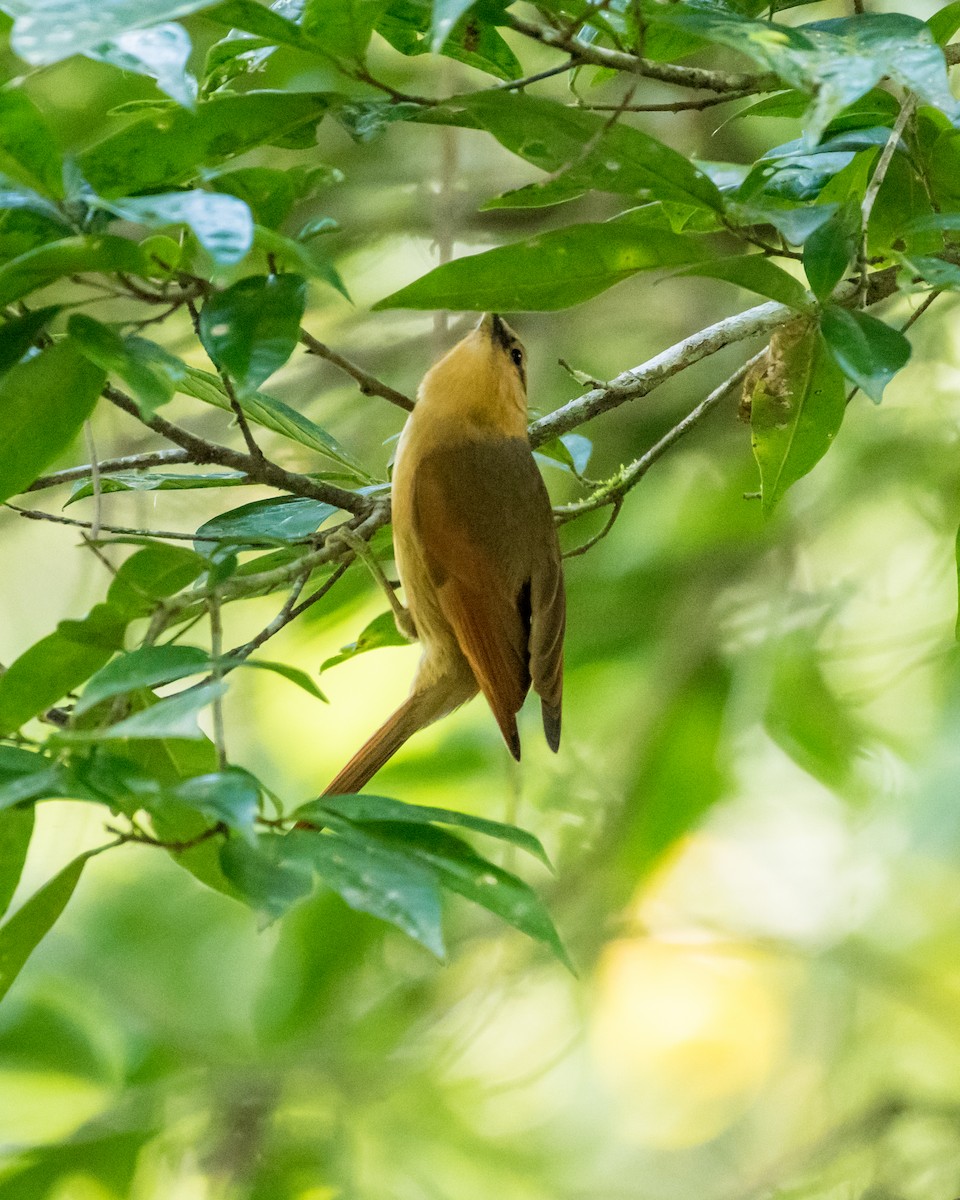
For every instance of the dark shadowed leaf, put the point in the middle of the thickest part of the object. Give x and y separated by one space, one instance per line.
231 796
71 256
868 351
18 335
279 519
252 328
149 371
153 573
828 250
16 829
341 28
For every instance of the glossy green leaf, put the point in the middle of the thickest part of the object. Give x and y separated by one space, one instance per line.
28 148
476 43
285 671
582 149
163 149
16 830
43 405
46 31
146 481
275 415
23 932
268 874
382 631
279 519
571 451
796 409
222 224
935 271
149 375
71 256
231 796
19 334
341 28
377 879
152 574
251 328
171 717
828 251
868 351
57 664
757 274
256 18
160 52
145 667
553 270
362 809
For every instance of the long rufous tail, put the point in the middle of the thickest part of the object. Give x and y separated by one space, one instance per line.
419 709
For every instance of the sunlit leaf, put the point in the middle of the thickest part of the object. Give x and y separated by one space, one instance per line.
160 52
152 574
757 274
28 148
382 631
341 28
71 256
16 830
145 667
223 225
171 717
278 519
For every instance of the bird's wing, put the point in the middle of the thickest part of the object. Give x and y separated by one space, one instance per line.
483 520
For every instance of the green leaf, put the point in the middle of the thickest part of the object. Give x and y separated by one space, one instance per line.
164 149
171 717
231 796
275 415
268 874
293 674
71 256
571 451
279 520
476 43
582 149
308 259
757 274
16 830
269 194
935 271
149 376
363 809
265 22
57 664
366 119
341 28
146 481
796 410
374 878
553 270
18 335
945 23
152 574
252 328
868 351
24 931
458 868
382 631
145 667
28 148
222 224
43 405
160 53
46 31
828 250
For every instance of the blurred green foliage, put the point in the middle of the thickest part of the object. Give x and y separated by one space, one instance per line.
753 820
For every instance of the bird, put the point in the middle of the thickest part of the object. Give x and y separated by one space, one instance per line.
476 550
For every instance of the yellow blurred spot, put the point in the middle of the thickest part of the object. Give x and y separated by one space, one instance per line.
48 1106
684 1035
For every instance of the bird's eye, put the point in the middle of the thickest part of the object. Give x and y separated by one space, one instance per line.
517 356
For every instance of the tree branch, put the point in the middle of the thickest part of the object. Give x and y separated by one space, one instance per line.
619 60
369 384
111 466
260 471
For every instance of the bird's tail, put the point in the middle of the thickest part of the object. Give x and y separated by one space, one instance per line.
419 709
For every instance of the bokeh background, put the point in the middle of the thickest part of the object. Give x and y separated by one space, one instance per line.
754 816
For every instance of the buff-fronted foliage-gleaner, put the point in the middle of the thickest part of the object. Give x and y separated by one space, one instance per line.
476 550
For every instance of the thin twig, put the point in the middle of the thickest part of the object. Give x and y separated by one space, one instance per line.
216 653
628 477
615 508
369 384
167 535
110 466
674 107
95 480
266 472
876 181
516 84
619 60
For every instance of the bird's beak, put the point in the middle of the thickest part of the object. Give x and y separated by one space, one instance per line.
492 326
